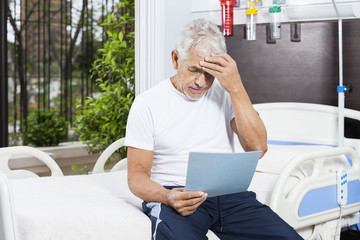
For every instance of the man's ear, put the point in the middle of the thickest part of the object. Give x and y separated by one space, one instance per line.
175 59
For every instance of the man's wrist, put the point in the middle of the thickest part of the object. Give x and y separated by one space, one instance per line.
165 196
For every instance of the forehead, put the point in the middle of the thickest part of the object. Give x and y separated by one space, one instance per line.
195 57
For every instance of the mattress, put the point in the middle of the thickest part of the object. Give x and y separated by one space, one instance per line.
88 207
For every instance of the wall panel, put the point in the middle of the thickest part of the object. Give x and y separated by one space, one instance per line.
305 71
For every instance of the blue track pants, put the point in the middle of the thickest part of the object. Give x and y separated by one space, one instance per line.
233 216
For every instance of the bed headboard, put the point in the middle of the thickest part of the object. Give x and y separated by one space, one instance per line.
303 122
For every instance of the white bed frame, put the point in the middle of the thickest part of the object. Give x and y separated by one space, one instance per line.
305 122
308 123
287 204
7 218
296 122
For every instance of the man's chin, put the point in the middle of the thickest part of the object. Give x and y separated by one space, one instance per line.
194 97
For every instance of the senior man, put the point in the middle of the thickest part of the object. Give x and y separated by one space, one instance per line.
197 110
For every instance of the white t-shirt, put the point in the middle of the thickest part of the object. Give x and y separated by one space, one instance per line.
171 125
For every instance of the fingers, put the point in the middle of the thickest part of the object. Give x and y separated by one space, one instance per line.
188 210
222 59
218 64
210 68
224 69
213 64
186 203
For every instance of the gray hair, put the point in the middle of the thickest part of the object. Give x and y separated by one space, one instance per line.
200 35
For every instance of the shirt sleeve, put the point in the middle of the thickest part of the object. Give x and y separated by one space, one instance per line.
140 127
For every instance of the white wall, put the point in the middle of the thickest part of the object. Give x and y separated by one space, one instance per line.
149 42
177 15
157 25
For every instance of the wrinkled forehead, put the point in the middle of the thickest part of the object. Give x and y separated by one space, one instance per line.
193 60
201 50
198 54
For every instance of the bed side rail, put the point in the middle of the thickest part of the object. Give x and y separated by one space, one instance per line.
303 122
287 204
7 218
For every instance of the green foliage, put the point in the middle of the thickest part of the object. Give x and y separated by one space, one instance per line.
117 60
46 128
100 122
84 170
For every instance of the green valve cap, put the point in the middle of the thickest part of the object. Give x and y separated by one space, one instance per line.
274 9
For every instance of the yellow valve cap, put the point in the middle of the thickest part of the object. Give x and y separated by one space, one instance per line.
251 11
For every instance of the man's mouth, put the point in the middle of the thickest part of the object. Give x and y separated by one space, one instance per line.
194 92
198 90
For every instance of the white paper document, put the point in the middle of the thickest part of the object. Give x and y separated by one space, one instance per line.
220 173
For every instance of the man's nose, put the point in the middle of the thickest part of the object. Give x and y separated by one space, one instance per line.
200 80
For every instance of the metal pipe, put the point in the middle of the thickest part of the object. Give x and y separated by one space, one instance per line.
70 89
341 92
39 56
44 45
62 3
49 53
4 135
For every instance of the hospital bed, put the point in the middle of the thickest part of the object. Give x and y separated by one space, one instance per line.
296 177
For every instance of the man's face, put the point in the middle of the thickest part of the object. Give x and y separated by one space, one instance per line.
191 79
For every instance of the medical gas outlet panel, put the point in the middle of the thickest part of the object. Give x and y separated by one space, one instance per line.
291 10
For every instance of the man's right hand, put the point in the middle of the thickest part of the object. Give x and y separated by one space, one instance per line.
140 184
185 202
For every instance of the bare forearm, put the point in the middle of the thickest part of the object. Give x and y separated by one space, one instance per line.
139 171
146 189
140 184
248 125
